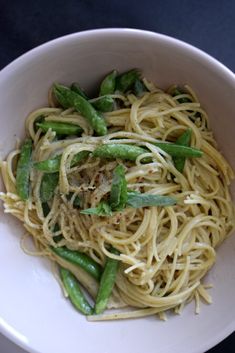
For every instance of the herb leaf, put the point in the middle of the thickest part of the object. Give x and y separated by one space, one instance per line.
103 209
137 200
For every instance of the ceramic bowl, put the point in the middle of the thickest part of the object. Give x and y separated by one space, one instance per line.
33 312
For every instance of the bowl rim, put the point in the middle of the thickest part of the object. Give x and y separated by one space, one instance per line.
116 30
5 328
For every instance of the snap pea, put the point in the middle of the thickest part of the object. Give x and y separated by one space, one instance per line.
75 294
108 84
60 128
68 98
23 170
106 283
118 194
46 210
76 201
76 88
80 259
183 140
39 119
177 92
48 184
125 81
139 87
130 152
176 150
103 104
122 151
52 165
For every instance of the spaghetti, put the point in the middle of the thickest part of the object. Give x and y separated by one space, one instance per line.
164 252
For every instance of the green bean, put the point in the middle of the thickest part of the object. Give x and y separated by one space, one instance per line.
76 88
52 165
103 104
75 294
60 128
48 184
118 193
139 87
108 84
183 140
23 170
125 81
106 283
178 151
68 98
122 151
80 259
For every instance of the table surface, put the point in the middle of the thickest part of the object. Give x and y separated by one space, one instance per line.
208 25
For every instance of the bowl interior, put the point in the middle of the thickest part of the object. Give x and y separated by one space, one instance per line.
32 308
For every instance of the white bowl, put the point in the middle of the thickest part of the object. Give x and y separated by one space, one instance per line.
33 312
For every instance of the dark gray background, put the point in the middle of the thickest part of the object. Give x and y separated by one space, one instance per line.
208 24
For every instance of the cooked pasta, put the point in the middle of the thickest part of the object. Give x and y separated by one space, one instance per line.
164 252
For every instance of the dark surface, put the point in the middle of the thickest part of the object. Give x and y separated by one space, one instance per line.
207 24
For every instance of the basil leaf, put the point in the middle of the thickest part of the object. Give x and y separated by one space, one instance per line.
138 200
118 194
103 209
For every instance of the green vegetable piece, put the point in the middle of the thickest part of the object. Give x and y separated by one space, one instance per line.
176 150
137 200
53 165
177 92
118 194
103 104
23 170
60 128
77 200
108 84
122 151
103 209
80 259
76 88
130 152
46 210
75 294
63 95
139 87
183 140
49 165
39 119
48 184
106 283
125 81
68 98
